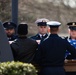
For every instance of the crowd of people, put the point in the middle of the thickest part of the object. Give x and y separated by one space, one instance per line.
47 49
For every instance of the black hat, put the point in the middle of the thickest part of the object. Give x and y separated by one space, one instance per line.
42 22
72 25
9 25
22 29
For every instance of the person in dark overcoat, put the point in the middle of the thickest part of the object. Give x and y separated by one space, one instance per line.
23 48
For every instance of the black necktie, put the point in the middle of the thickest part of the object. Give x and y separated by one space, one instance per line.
42 36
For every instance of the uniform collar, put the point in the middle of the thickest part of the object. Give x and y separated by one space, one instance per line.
71 38
40 35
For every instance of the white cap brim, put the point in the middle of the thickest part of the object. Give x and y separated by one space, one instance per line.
53 23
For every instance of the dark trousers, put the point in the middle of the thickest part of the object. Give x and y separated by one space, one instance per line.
52 71
70 73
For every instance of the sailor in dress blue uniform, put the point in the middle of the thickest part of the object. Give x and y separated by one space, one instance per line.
72 38
42 30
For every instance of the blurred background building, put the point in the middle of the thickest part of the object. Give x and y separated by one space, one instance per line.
30 10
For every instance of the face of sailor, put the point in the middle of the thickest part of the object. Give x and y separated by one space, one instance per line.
72 34
43 29
10 32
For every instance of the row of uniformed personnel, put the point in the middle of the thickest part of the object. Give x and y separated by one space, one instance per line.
42 30
51 52
10 28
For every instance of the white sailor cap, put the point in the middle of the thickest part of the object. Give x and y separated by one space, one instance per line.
41 22
53 23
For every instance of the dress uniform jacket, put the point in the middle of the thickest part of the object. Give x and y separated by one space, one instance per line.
51 55
24 49
37 37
